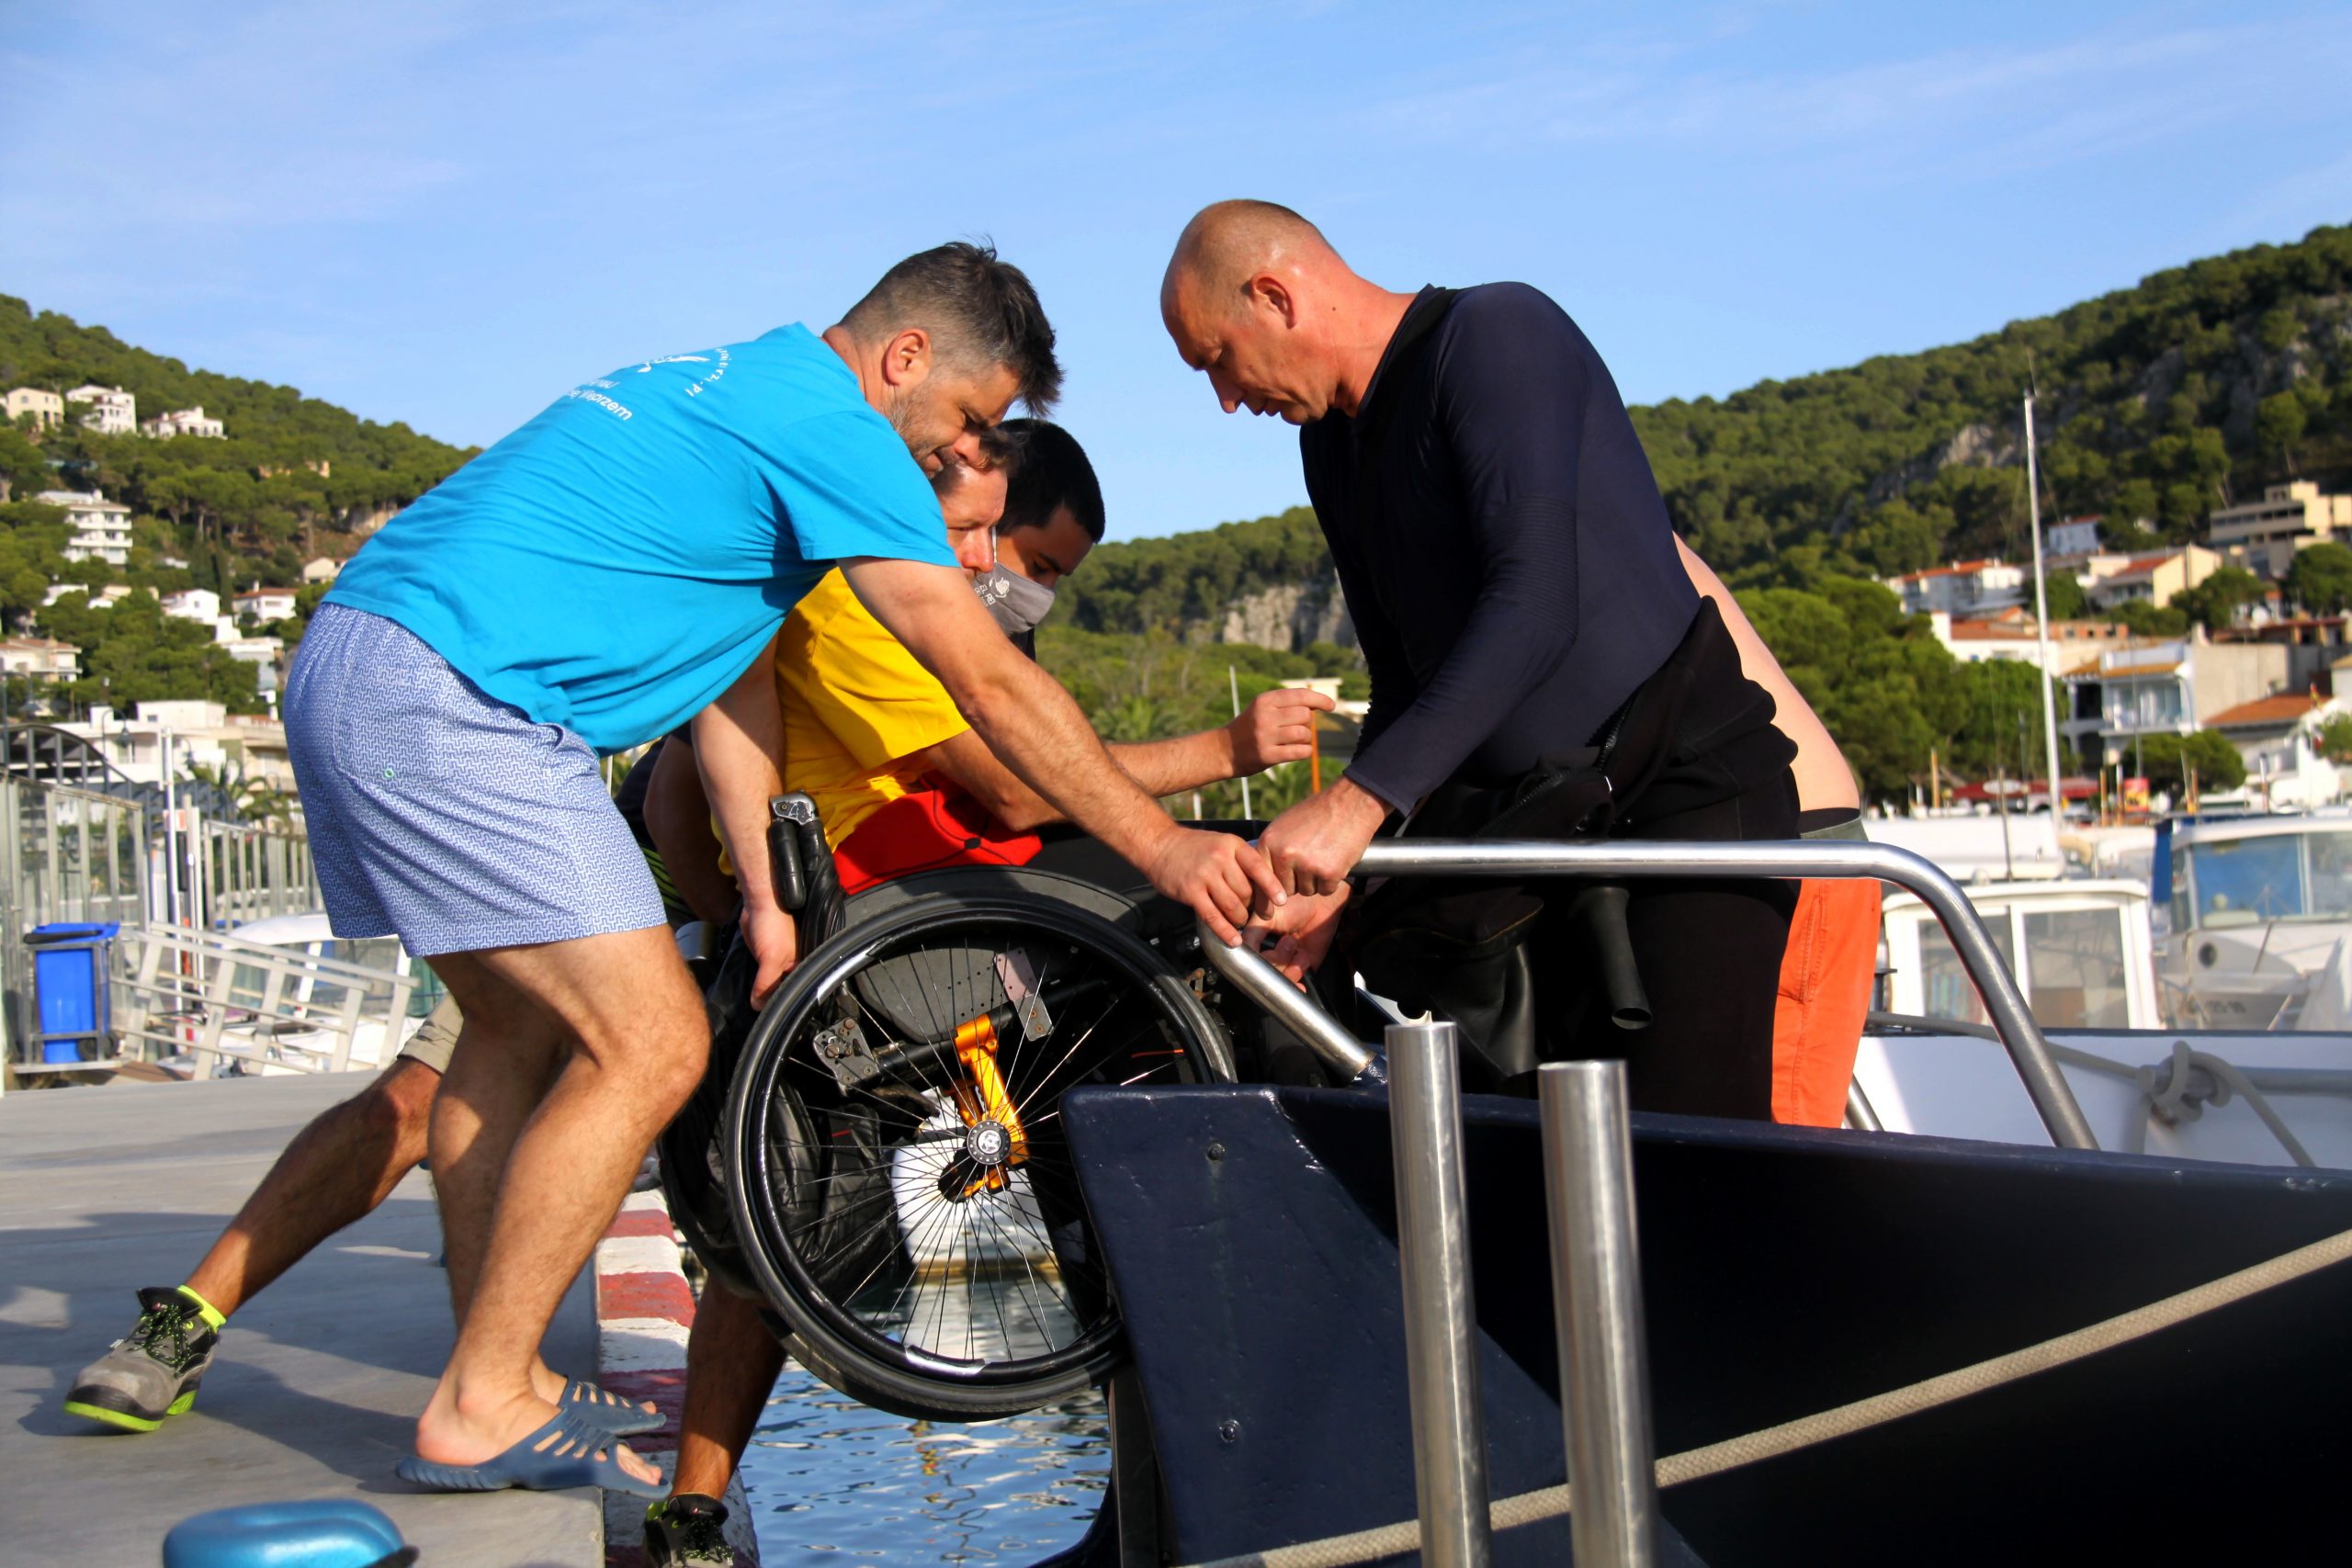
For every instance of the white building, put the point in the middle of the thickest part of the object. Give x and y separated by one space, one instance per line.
2074 536
2278 738
101 527
47 408
2175 687
193 605
261 652
113 412
320 568
41 660
265 604
2011 636
183 421
1965 589
2264 535
2155 578
105 598
199 732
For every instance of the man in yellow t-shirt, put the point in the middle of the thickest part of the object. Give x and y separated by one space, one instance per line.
901 781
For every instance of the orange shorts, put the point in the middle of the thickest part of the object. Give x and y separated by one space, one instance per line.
936 824
1826 976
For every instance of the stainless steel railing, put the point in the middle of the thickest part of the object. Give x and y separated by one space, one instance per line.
1440 1319
1624 860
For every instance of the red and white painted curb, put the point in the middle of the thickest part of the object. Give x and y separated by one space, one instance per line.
644 1311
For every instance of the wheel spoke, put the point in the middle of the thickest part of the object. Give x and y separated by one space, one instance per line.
984 1278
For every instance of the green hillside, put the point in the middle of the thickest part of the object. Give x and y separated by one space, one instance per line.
209 500
2156 404
295 478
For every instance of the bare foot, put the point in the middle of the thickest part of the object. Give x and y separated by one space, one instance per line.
550 1384
466 1432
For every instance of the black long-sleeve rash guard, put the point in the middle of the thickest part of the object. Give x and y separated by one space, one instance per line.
1510 573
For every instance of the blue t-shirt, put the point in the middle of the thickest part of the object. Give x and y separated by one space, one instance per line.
618 562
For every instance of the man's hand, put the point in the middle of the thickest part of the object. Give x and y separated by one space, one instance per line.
1217 875
1302 931
774 941
1314 845
1277 727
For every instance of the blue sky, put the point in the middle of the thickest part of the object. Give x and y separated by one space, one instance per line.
445 213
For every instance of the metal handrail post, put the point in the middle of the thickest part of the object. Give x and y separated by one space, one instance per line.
1266 986
1597 1314
1441 1319
1621 859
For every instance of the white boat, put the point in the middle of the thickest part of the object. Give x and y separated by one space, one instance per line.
2255 922
2084 955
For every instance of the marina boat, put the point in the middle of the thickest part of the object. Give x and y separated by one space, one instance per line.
2257 912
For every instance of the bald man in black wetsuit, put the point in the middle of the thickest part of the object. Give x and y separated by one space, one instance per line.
1532 638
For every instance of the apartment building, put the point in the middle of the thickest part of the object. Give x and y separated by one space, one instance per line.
183 421
101 527
2175 687
1969 589
2264 535
41 660
198 731
112 411
2108 580
47 408
2010 635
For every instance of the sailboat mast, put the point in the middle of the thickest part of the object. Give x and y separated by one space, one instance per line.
2042 621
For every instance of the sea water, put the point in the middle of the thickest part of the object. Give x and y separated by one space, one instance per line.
827 1476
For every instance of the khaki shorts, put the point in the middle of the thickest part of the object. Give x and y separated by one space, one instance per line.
436 1038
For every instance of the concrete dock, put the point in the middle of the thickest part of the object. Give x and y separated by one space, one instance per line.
318 1380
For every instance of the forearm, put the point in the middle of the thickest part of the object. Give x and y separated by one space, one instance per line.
677 815
1031 724
737 740
1170 767
1161 767
1026 719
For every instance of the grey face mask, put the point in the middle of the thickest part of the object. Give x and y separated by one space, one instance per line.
1017 603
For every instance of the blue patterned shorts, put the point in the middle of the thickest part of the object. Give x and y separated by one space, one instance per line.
437 812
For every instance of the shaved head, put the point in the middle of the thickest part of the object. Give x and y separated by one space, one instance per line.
1228 243
1256 298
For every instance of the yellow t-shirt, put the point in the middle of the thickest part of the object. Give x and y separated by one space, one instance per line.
857 709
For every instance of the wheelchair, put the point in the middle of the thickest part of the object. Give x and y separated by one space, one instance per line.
875 1157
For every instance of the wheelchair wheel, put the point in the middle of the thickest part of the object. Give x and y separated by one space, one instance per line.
901 1187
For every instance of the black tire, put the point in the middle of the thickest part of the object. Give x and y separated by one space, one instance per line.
902 1206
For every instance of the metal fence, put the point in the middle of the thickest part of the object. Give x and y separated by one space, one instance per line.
266 1008
81 856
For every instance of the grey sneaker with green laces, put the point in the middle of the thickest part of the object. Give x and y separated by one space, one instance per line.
155 1369
688 1529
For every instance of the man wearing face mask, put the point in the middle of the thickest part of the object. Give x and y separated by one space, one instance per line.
901 781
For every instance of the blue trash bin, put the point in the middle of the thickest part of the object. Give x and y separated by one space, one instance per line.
72 998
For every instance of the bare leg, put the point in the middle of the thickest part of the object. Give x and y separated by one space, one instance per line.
559 1166
731 1363
502 1065
468 1187
335 1171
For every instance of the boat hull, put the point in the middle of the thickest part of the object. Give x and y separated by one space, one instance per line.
1250 1235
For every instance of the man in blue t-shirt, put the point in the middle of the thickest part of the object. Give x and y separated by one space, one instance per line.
617 566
